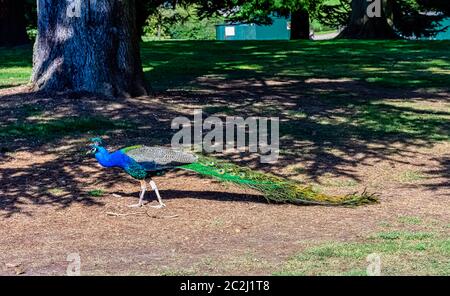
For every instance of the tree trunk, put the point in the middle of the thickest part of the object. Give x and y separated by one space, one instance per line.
88 46
299 24
13 29
361 26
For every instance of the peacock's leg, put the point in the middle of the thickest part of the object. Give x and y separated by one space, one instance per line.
155 188
141 196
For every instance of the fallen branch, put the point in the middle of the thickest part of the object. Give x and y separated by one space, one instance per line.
141 213
124 215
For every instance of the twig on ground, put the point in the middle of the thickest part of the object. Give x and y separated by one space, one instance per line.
123 215
141 213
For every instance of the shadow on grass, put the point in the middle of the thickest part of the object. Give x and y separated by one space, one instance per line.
442 172
326 133
397 64
330 125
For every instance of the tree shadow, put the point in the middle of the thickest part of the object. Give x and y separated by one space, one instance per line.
329 123
43 145
396 64
168 194
442 173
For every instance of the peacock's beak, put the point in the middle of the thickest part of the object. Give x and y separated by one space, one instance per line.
90 151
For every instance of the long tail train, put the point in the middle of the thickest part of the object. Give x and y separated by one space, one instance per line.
273 188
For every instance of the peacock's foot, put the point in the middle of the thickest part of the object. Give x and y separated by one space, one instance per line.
136 205
160 206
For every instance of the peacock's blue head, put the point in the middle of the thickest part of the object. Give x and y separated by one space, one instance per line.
96 141
95 145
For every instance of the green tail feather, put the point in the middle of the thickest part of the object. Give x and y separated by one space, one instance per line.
272 187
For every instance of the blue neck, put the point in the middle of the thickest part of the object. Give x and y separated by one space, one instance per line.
103 157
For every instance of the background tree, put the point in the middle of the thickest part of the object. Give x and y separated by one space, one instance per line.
93 48
13 30
399 18
31 18
181 19
361 26
190 26
161 19
419 18
301 13
260 12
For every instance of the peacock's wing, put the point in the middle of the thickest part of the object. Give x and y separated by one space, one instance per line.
159 158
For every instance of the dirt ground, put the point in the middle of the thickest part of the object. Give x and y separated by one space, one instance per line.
207 227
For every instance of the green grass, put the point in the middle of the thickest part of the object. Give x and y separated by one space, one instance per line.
410 220
45 129
169 64
96 193
410 177
404 235
375 120
401 253
15 66
175 64
393 64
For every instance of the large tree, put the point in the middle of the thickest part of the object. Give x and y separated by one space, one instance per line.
12 23
301 12
300 23
88 46
363 26
398 18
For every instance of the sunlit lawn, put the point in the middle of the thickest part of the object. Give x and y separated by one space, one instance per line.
170 64
389 63
399 252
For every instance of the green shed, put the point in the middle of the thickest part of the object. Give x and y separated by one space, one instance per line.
278 30
444 35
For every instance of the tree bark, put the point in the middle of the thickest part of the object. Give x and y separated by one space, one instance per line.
361 26
13 29
299 24
92 47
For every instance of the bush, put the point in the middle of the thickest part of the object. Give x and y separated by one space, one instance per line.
180 23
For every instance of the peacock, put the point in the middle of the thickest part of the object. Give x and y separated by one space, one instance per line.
143 163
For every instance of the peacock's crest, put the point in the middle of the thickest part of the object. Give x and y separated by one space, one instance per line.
96 141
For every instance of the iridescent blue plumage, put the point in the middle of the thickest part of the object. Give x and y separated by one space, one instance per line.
142 162
121 160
